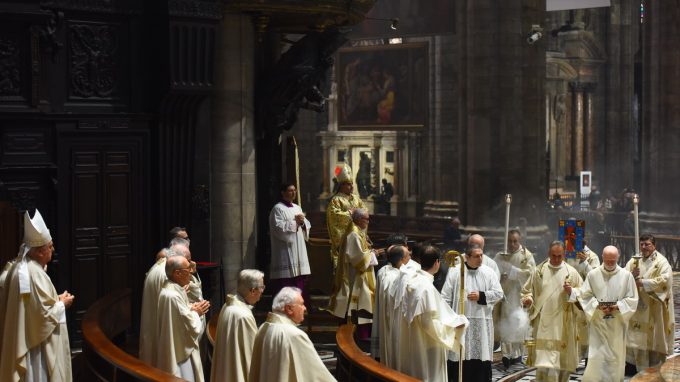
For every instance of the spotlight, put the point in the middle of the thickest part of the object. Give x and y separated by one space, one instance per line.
394 23
535 34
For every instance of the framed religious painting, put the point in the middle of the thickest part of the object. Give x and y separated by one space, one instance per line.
382 87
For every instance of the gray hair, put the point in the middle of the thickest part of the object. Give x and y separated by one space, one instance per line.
179 240
249 279
172 264
178 250
359 213
557 243
476 236
286 296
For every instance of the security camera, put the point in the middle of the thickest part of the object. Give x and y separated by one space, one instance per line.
535 34
533 37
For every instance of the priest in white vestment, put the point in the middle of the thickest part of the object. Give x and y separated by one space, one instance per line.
481 290
288 233
354 285
609 299
153 283
282 352
652 327
550 294
584 262
477 239
396 292
179 324
34 344
432 327
512 322
384 306
236 330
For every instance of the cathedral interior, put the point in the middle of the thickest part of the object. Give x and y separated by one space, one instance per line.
120 119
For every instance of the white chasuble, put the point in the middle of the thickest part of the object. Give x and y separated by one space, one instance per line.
35 337
652 327
584 267
479 337
153 283
236 330
289 250
284 353
179 329
432 328
607 347
553 316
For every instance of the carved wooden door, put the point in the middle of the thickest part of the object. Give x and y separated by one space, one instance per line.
101 208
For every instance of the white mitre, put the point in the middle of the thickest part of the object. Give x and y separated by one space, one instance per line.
36 234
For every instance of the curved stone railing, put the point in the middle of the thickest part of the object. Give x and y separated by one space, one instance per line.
354 365
105 320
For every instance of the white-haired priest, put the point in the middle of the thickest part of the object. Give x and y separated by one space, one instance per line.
282 352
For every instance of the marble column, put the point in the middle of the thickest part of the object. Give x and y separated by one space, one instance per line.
589 129
577 128
233 181
582 128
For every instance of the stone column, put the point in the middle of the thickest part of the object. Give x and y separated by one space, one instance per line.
577 128
589 129
233 225
582 127
660 138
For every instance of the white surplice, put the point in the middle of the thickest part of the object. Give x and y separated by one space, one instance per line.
607 347
234 339
479 337
289 252
432 329
284 353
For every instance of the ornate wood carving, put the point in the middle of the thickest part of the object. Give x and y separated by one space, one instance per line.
93 60
195 8
101 6
191 55
10 73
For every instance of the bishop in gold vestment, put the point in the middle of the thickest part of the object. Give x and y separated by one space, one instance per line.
338 211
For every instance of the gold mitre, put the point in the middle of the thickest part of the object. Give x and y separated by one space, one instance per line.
343 174
36 233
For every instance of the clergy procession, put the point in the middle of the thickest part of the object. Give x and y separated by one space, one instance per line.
550 315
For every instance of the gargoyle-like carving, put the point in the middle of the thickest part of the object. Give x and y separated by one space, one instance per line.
296 79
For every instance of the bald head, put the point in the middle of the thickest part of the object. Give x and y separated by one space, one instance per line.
610 256
476 239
